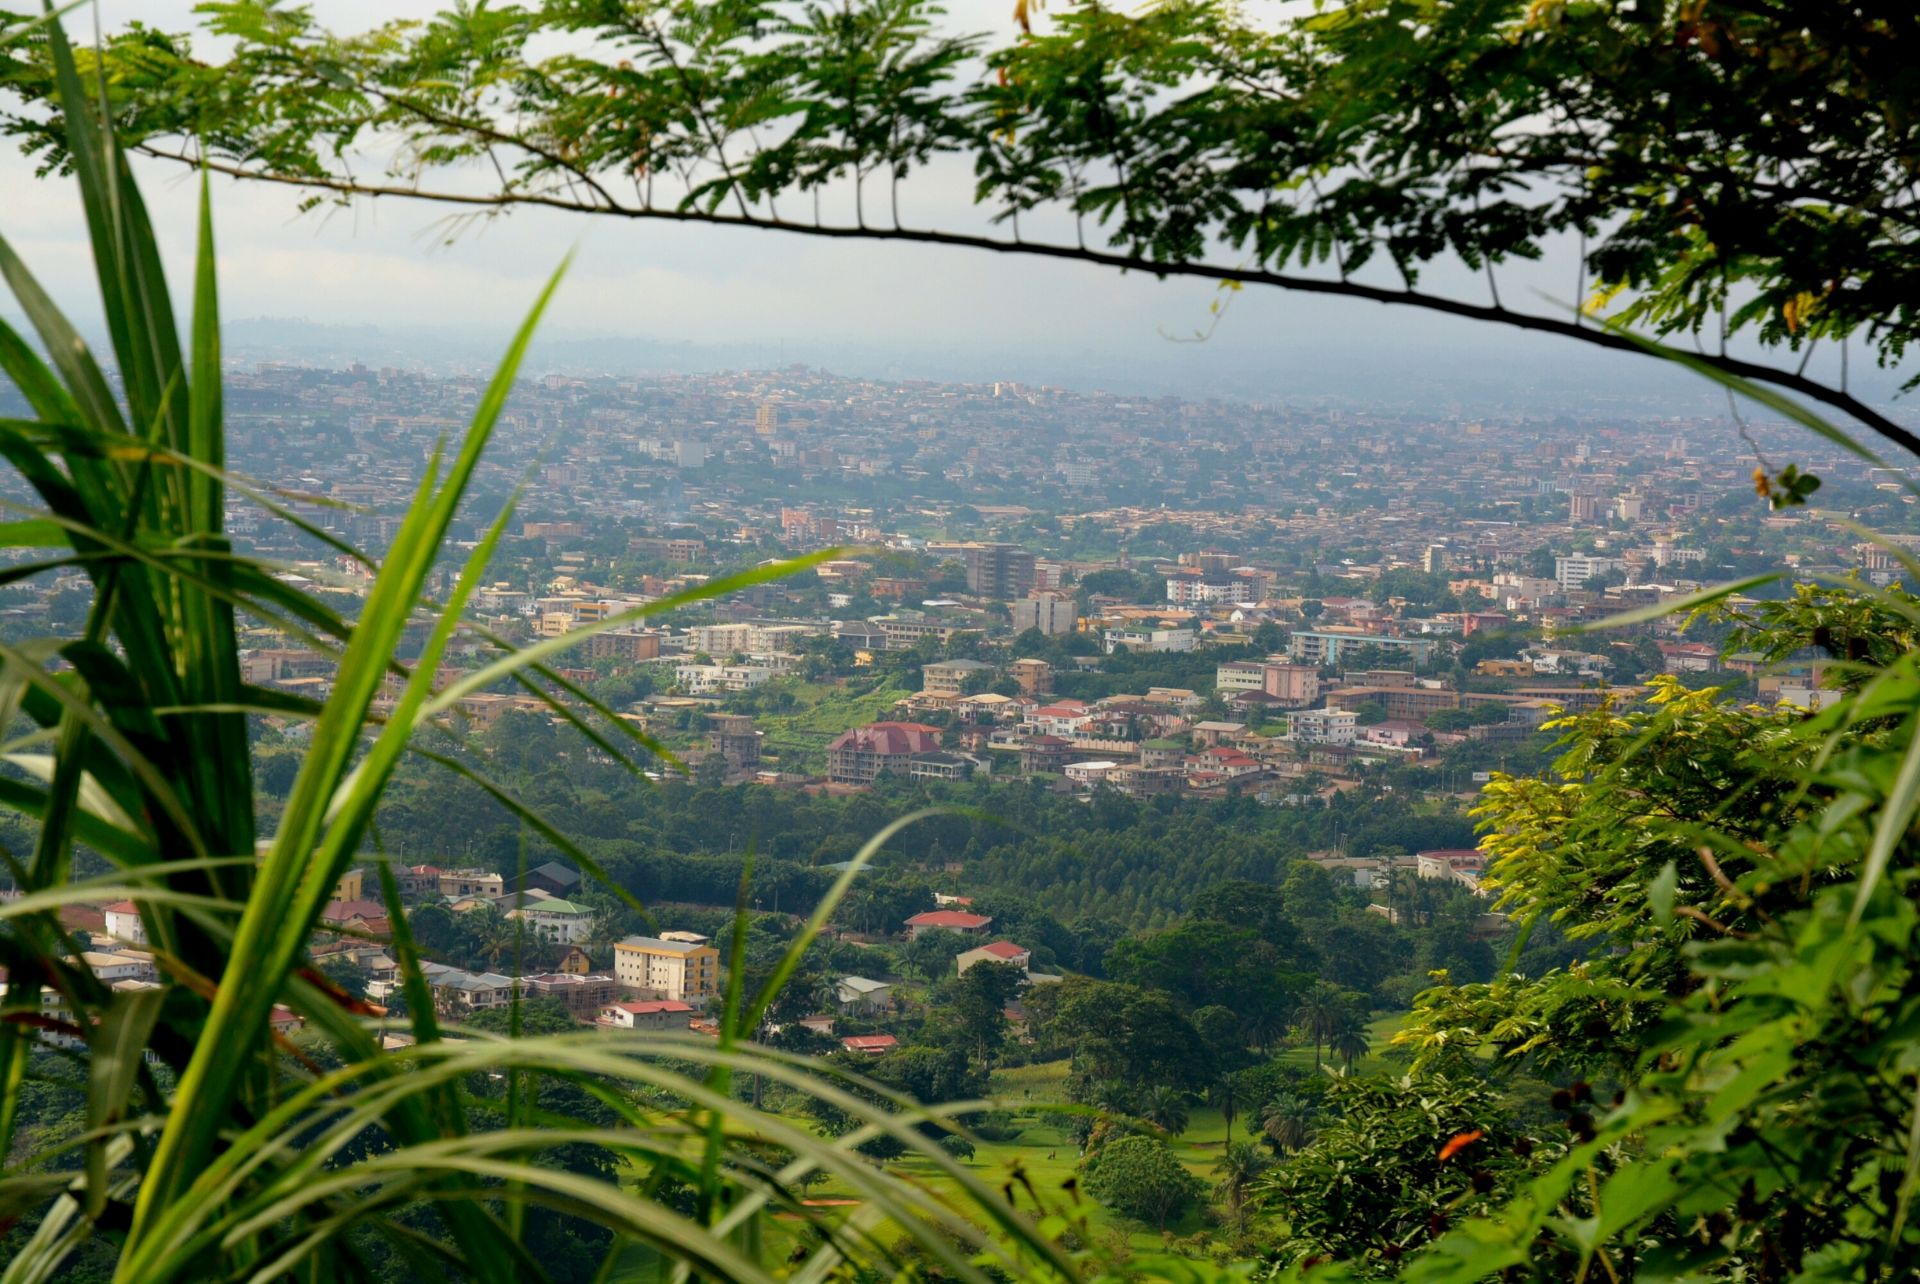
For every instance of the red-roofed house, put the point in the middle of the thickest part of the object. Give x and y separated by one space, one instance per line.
949 921
997 952
856 757
1063 719
653 1014
872 1044
367 917
123 923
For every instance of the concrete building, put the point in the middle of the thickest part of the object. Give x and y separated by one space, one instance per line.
1323 726
645 1014
1573 571
1293 684
856 757
559 921
687 970
1239 675
1033 677
996 952
123 923
731 736
950 677
1151 639
1051 613
999 571
1322 647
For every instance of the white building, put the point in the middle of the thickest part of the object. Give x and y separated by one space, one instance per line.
1239 675
556 920
1152 639
1323 726
705 679
1089 774
123 923
1575 570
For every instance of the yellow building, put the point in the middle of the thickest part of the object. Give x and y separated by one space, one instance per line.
352 886
676 965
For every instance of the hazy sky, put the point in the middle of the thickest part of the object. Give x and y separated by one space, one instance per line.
385 262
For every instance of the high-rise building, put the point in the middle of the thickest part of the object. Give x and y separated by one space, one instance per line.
999 571
1051 613
1436 560
766 420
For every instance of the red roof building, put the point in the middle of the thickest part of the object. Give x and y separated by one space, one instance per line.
871 1044
949 921
648 1014
856 757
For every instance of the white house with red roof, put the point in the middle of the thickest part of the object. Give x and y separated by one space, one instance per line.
996 952
648 1014
1222 760
948 920
123 923
1064 718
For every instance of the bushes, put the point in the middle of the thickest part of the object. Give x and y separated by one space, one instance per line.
1140 1177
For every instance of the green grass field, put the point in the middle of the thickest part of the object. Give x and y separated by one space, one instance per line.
799 739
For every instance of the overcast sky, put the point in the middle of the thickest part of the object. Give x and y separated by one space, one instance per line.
916 309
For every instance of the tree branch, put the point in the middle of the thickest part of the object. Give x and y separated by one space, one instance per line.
1790 381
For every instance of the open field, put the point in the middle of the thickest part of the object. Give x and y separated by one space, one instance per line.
799 739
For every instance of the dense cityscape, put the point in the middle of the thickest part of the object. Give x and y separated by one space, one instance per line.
645 811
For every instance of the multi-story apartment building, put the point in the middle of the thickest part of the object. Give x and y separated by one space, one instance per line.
1051 613
1576 569
1323 726
1195 590
620 645
1293 684
1034 677
1240 675
998 571
676 965
555 920
858 756
950 677
1323 647
1411 704
900 631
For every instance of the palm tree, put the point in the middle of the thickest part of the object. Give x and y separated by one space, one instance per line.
1227 1094
1319 1015
1288 1122
1165 1107
1239 1165
1349 1042
1114 1096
